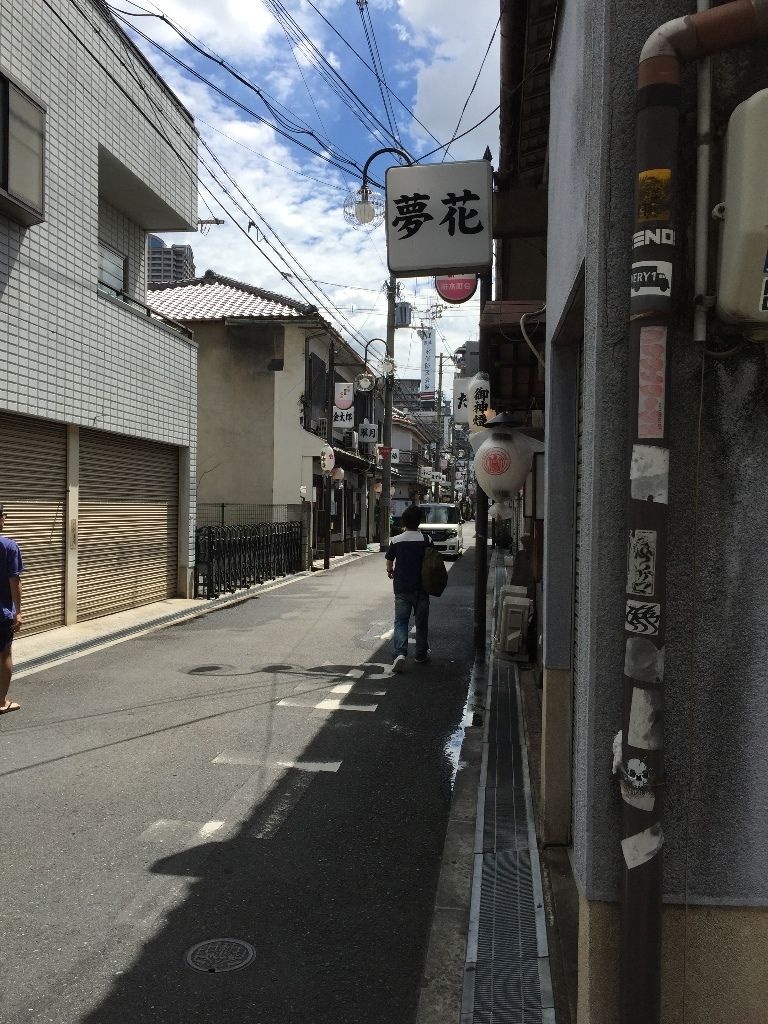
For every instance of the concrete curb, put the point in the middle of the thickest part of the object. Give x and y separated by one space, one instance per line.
442 984
28 666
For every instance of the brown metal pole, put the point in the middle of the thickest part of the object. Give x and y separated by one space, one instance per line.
654 280
481 505
386 465
327 481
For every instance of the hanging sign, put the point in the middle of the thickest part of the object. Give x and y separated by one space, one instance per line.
456 288
439 218
394 456
368 432
343 418
345 395
461 399
427 387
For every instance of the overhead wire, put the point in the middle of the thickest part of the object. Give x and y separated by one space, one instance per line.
471 91
373 50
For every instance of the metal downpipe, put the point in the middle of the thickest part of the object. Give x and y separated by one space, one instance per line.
655 274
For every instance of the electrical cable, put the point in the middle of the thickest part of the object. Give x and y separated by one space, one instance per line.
526 338
471 91
373 50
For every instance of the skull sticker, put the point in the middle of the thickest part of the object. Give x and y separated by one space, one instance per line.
637 773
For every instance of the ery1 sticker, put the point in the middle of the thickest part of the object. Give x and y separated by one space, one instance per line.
654 194
764 297
652 277
652 382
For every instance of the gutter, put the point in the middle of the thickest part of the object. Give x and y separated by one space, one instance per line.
654 279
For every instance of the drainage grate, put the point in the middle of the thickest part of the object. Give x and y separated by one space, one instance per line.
214 956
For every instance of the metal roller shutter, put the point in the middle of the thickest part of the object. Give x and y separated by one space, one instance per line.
128 521
33 487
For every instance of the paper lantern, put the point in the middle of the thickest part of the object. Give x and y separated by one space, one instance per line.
327 458
479 401
377 488
501 465
338 473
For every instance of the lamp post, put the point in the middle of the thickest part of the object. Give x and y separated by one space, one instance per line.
366 208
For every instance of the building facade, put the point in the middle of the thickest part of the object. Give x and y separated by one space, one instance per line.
96 410
263 406
715 866
167 264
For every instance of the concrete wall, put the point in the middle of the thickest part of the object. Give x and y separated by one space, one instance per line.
714 964
236 419
716 712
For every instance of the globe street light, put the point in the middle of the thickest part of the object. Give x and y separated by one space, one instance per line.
367 209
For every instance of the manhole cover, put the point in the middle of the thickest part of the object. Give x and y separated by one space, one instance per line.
214 956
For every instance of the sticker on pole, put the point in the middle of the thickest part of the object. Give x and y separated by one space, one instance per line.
652 277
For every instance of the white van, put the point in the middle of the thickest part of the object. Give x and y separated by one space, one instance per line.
442 523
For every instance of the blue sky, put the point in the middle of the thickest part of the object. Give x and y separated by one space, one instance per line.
431 52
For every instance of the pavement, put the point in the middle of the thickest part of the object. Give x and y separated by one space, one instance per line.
247 774
357 904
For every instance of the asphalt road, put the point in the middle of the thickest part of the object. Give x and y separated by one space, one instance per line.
257 774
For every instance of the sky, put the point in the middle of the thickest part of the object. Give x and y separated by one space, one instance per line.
430 51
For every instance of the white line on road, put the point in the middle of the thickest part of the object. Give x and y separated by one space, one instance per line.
325 705
349 687
302 766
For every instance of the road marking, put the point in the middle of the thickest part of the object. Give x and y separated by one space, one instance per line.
256 762
278 815
349 687
332 704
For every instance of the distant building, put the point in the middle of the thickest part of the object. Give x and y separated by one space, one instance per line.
167 264
467 358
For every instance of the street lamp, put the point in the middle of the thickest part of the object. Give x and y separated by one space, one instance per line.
367 209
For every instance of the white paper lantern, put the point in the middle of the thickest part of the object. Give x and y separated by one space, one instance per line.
338 473
327 458
479 401
501 466
377 488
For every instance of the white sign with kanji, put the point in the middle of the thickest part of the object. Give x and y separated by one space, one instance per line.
439 218
343 419
461 399
427 386
394 457
368 432
344 395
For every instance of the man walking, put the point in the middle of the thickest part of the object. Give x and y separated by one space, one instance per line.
404 557
11 566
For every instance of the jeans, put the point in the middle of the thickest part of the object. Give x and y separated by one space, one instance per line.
418 602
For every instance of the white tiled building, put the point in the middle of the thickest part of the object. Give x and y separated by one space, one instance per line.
97 409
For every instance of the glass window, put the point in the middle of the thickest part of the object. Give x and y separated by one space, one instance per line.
440 515
22 151
26 136
111 269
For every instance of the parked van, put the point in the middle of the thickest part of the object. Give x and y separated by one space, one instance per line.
442 523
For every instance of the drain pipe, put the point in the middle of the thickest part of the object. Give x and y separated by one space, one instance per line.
654 280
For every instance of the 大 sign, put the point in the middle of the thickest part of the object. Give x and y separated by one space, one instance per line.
461 399
439 218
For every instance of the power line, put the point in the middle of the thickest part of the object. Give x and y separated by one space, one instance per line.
471 91
373 50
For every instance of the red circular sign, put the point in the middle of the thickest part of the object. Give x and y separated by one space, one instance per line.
456 287
496 461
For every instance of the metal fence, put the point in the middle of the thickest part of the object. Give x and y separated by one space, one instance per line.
229 513
228 558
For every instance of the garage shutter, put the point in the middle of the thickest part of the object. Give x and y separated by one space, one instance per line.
33 487
127 535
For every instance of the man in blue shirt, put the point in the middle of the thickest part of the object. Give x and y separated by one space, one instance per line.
404 557
11 566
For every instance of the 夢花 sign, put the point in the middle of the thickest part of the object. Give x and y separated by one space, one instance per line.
439 218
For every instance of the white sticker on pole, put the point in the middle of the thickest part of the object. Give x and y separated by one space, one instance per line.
652 277
649 473
645 725
643 846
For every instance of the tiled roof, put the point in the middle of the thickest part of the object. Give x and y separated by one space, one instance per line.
213 297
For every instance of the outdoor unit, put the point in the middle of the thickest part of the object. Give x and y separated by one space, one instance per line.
403 312
350 440
322 427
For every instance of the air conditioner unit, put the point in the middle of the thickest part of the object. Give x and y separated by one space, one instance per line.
350 440
322 427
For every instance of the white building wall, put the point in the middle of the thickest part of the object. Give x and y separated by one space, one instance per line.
68 353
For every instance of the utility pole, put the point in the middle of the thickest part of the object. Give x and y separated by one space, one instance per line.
439 411
386 468
330 395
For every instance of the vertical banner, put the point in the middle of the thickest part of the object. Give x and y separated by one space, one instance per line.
461 399
428 361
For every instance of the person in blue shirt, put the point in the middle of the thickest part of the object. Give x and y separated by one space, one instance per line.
11 567
404 557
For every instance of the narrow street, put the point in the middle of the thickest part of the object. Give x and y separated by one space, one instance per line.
256 774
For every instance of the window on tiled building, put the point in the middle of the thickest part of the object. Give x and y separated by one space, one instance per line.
22 154
111 270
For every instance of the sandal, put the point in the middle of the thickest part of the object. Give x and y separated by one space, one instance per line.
9 705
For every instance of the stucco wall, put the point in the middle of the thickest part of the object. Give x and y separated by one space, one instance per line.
716 711
236 413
